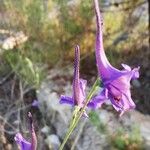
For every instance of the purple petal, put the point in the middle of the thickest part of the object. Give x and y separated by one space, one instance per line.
23 143
98 100
83 84
66 100
82 94
127 101
126 67
35 103
123 104
119 93
121 84
135 73
118 86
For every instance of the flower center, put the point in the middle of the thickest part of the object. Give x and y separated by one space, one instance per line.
117 99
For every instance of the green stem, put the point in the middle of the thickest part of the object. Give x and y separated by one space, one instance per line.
77 114
70 127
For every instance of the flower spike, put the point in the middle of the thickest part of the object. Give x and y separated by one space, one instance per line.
76 80
78 85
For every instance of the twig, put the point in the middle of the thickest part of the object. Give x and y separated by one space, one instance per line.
19 109
13 87
21 105
5 122
28 89
5 78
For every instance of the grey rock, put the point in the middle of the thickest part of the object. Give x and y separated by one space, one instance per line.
53 142
45 130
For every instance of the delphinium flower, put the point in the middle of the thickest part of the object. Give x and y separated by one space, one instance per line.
116 83
22 142
78 85
35 103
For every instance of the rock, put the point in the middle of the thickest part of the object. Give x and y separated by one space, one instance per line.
45 130
91 139
53 142
50 107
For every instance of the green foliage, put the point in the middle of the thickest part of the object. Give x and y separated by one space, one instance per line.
127 141
95 120
86 10
22 66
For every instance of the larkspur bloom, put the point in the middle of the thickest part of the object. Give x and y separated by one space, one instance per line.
116 83
79 85
22 142
35 103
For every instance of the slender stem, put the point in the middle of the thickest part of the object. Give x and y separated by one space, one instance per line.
70 128
78 135
78 114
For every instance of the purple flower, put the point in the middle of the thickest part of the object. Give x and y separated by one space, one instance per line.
116 83
23 143
35 103
79 85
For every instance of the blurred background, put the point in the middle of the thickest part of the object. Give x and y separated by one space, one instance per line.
37 40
